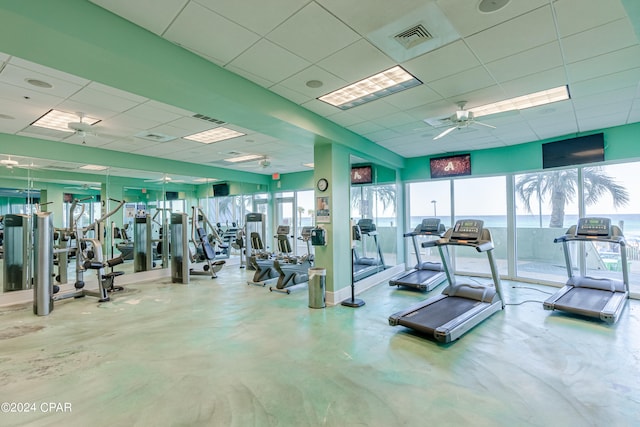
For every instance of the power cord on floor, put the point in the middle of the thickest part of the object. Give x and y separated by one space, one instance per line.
529 300
533 289
522 302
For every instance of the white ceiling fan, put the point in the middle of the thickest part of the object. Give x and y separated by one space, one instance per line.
84 128
10 163
165 179
84 187
459 120
81 128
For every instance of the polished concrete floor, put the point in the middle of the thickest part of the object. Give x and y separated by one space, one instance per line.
221 353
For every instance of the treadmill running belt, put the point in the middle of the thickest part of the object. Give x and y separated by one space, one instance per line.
432 316
584 299
418 276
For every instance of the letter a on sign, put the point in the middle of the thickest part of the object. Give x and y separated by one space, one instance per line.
449 167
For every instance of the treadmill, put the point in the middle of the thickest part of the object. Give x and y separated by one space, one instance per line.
364 266
600 298
425 276
462 306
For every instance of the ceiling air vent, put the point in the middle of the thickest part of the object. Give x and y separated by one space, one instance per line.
209 119
154 136
413 36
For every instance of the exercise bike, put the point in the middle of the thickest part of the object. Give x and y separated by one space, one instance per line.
294 271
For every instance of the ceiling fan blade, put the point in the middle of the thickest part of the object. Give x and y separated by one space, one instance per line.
446 132
484 124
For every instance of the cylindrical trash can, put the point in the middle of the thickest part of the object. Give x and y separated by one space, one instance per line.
317 280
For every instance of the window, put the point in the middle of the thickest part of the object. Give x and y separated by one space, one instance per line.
431 199
484 199
546 206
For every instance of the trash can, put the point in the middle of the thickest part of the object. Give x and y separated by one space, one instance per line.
317 280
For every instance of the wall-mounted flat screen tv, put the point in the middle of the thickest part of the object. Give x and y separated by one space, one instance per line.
221 190
444 167
361 174
171 195
574 151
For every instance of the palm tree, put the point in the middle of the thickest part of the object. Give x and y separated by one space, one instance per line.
300 212
362 198
561 187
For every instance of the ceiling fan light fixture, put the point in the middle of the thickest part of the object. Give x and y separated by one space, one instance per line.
60 120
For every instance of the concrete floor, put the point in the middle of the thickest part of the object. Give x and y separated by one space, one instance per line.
221 353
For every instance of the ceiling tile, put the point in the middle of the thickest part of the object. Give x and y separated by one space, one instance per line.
539 58
378 12
368 58
38 100
199 28
250 76
536 82
260 17
600 40
468 20
275 63
298 82
290 94
466 81
18 76
313 33
575 16
147 111
522 33
116 92
102 99
41 69
451 59
413 97
605 64
154 15
628 78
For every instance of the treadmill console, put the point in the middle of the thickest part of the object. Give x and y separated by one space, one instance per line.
467 229
366 226
594 227
430 225
283 230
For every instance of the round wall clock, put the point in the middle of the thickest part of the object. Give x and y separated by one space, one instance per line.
323 184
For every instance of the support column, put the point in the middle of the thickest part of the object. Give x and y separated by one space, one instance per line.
332 162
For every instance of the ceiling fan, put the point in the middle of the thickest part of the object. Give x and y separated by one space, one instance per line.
165 179
81 128
84 187
459 120
10 163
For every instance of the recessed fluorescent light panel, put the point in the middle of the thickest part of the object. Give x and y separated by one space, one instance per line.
59 120
386 83
94 167
521 102
206 180
245 158
214 135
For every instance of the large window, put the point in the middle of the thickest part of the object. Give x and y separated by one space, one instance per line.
430 199
612 191
484 199
546 205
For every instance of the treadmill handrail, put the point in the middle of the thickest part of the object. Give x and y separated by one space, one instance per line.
479 245
620 240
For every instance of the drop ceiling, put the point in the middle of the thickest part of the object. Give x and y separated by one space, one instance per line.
527 46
